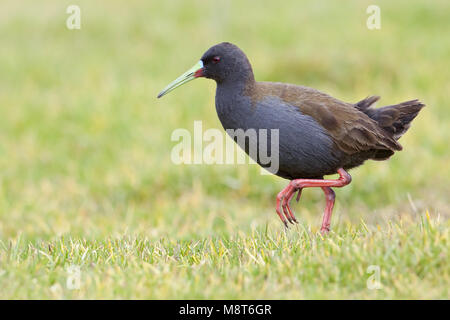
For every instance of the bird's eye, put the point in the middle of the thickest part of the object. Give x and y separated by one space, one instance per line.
216 59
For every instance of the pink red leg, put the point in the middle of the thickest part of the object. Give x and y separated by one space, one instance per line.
344 179
285 204
299 194
283 200
280 198
285 196
326 221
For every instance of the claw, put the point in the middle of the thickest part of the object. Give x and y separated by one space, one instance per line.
286 204
286 213
280 198
324 231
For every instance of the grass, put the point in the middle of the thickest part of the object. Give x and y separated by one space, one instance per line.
265 264
86 178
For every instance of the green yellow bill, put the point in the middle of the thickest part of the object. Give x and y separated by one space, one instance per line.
189 75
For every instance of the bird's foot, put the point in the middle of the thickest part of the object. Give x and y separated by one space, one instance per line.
285 196
324 230
283 203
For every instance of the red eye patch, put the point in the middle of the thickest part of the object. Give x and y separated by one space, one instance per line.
216 59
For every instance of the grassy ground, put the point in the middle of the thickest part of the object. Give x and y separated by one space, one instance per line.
86 179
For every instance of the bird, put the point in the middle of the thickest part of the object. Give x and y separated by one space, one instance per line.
318 134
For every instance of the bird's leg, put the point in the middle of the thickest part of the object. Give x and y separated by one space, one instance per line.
283 200
285 204
280 197
299 194
326 221
285 196
344 179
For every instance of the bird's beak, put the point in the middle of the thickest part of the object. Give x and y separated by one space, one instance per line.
194 72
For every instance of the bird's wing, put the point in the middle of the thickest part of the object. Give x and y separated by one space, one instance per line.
351 130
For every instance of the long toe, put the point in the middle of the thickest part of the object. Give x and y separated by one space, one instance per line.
280 198
286 205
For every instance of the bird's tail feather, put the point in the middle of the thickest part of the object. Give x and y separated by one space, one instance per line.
395 119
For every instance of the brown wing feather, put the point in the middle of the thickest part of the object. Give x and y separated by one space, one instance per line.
352 130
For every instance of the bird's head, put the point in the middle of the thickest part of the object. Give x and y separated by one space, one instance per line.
223 62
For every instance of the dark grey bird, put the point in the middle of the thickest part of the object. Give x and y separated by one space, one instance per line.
318 134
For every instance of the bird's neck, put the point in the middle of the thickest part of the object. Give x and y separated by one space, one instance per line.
233 103
238 80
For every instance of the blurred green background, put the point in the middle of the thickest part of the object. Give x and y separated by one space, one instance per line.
85 145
